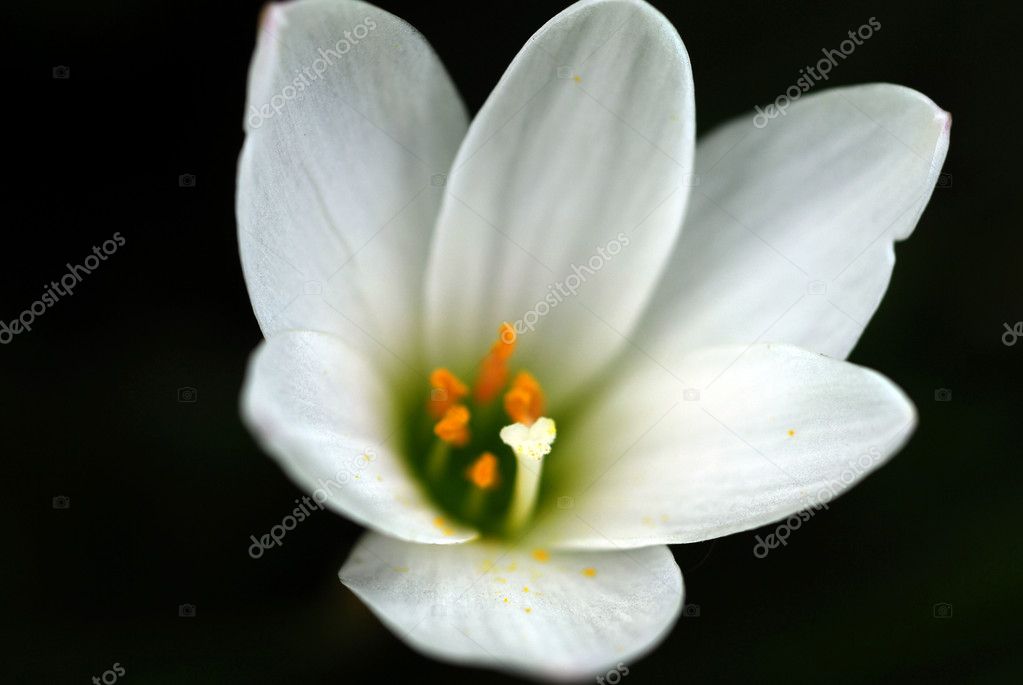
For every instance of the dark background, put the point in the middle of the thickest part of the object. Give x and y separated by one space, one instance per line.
164 494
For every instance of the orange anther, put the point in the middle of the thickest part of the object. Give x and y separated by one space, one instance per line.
524 403
483 472
454 427
494 369
446 391
505 344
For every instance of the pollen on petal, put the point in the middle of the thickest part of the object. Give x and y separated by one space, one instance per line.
483 472
445 529
541 555
454 427
590 572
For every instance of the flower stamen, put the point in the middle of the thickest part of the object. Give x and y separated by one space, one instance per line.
453 428
446 391
524 403
494 367
466 467
483 472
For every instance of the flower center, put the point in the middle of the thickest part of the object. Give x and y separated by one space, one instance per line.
481 459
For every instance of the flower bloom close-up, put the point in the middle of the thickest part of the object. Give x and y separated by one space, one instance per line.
531 350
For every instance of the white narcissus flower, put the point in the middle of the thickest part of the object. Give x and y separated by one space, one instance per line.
495 345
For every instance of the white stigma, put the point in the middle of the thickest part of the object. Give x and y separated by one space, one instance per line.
530 445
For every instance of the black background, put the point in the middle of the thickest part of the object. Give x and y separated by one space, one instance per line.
165 494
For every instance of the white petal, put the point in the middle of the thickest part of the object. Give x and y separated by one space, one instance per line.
314 404
335 201
780 430
573 616
574 173
789 235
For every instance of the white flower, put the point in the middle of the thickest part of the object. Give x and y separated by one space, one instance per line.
695 375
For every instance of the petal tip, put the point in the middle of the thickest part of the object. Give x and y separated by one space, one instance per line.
946 119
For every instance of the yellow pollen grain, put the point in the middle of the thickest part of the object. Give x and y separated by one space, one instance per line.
577 78
505 600
590 572
791 432
541 555
528 610
445 529
501 580
525 589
